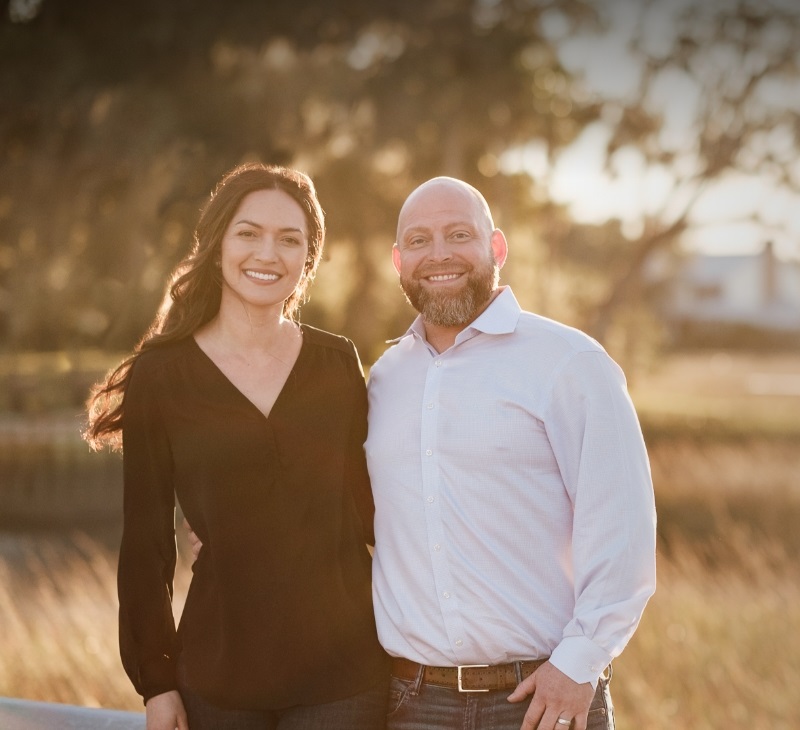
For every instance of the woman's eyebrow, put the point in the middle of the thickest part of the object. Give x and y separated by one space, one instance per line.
287 229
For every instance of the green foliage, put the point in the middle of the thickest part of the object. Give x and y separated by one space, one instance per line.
116 120
120 118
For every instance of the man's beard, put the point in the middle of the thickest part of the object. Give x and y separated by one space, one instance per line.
447 308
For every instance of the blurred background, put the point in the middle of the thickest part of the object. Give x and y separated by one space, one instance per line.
643 158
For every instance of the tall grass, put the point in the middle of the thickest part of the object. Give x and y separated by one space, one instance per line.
707 492
717 649
57 605
58 619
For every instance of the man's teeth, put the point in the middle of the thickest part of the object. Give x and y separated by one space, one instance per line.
443 277
263 277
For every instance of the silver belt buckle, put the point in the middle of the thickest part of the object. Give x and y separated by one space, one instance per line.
469 666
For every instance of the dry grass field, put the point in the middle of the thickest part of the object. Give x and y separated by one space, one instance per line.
718 648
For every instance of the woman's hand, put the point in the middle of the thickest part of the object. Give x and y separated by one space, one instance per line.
166 712
194 541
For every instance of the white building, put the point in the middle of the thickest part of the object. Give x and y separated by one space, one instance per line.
757 293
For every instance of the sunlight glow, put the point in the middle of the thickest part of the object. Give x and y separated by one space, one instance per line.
737 211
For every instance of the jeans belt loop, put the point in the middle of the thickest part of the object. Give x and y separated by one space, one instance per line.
417 686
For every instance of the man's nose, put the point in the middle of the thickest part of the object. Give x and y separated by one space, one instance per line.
439 250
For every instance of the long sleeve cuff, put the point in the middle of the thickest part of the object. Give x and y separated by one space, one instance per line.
156 677
580 659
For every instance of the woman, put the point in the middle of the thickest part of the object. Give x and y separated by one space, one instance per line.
256 424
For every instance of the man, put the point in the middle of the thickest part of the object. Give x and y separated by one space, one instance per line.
515 524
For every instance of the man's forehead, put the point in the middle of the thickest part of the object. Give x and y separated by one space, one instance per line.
446 206
444 198
441 193
443 218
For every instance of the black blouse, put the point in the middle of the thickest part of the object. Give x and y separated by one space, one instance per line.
279 611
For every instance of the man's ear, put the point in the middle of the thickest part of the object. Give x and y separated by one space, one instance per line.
499 247
396 258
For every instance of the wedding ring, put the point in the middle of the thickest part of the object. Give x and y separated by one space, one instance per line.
562 721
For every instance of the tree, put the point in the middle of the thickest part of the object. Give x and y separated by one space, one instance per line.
117 119
713 103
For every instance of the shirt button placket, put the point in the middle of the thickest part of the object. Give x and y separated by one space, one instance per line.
431 492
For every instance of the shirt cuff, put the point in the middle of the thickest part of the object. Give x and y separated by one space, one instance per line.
580 659
156 677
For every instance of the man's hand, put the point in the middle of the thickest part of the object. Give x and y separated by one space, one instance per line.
194 541
555 696
166 712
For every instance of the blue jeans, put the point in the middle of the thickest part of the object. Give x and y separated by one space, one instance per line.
364 711
416 706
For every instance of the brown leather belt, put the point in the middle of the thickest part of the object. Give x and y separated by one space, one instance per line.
469 677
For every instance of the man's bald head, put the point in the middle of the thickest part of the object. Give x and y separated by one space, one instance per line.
450 192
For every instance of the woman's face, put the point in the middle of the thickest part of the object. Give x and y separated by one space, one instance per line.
264 249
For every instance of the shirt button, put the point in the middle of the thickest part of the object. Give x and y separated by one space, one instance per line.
429 500
437 548
459 642
429 452
429 406
445 595
438 363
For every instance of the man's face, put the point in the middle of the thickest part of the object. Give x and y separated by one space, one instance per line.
446 255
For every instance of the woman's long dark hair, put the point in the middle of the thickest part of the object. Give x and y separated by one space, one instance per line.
196 284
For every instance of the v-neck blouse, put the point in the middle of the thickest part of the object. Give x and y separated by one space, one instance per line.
279 611
233 385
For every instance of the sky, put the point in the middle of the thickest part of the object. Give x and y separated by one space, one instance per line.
742 209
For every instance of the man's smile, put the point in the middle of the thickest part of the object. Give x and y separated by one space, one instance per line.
442 277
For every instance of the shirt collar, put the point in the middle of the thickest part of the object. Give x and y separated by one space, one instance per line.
499 318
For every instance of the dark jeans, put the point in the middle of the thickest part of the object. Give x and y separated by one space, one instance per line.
364 711
415 706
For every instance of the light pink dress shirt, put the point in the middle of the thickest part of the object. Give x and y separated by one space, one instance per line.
514 505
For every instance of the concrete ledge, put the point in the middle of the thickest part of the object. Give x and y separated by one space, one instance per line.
28 715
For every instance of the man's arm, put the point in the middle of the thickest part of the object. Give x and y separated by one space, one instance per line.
596 439
597 442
